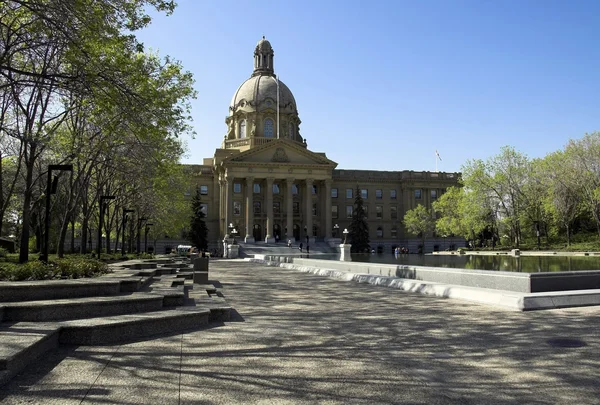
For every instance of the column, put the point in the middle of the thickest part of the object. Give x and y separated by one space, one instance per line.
289 200
269 194
226 186
309 215
249 210
328 228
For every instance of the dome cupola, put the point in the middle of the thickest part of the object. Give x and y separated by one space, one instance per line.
262 107
263 58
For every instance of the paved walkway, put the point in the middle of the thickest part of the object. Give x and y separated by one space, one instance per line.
304 339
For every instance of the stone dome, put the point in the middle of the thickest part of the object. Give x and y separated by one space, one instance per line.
258 90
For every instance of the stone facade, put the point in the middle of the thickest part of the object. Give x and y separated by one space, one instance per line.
265 182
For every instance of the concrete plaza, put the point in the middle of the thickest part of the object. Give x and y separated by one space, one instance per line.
303 339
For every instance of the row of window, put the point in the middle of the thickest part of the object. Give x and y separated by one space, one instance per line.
378 211
364 193
237 188
268 128
257 208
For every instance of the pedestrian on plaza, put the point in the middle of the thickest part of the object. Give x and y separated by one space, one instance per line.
307 249
300 246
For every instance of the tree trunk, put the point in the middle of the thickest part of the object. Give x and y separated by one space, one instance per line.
73 235
24 245
84 235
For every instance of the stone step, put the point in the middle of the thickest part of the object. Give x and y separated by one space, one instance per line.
186 274
96 331
22 343
139 266
76 308
55 289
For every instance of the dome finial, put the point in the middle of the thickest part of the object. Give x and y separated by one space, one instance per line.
263 58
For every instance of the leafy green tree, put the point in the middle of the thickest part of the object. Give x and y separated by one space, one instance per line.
359 228
198 231
462 214
420 222
585 153
562 197
500 182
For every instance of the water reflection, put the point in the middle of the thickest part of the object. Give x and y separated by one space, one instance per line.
529 264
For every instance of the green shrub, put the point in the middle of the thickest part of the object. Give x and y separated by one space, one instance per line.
21 273
3 252
78 267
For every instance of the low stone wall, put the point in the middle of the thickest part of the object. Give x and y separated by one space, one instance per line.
497 280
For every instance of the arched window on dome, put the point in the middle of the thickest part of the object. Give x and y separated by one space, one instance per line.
291 130
242 129
268 133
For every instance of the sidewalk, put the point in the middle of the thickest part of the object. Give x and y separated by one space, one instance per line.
304 339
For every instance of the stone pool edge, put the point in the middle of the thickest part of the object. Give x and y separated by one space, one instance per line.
516 301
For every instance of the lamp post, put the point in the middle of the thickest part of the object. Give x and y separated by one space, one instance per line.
336 229
234 232
123 224
103 206
146 229
345 235
139 233
277 82
51 186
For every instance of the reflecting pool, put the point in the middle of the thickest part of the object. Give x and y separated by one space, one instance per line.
528 264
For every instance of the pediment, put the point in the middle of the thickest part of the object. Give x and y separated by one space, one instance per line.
279 152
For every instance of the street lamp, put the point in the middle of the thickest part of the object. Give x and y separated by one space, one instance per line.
277 82
51 186
336 228
124 223
147 228
103 206
345 235
139 232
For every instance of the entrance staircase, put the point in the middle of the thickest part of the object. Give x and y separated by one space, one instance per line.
281 249
137 300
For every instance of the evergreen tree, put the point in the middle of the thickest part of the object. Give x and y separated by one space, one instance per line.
359 228
198 230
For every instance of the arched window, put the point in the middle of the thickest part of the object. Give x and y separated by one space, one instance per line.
242 129
379 232
291 130
268 128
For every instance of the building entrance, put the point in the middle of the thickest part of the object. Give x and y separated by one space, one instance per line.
257 233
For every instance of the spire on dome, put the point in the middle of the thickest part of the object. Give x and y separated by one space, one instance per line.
263 58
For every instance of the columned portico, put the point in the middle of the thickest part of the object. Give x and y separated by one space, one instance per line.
249 210
269 231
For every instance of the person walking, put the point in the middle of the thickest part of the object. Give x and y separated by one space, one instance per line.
300 246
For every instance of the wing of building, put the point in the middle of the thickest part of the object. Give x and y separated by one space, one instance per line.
266 184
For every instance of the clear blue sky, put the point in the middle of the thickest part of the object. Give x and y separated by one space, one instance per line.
382 84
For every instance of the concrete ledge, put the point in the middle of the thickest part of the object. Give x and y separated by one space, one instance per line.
74 308
105 330
502 298
22 343
52 289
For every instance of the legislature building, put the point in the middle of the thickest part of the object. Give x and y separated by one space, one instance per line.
266 184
